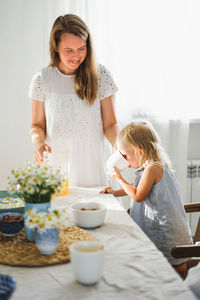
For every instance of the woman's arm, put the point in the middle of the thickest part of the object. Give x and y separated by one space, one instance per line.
151 176
38 130
110 126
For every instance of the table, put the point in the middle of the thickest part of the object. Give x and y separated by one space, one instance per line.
133 269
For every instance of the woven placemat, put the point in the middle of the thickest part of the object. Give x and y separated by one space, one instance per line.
17 251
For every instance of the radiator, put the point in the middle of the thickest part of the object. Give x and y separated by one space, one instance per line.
193 190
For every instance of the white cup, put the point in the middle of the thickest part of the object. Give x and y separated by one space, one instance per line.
87 259
117 160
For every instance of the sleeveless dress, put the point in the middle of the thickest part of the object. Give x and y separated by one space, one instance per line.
74 129
162 216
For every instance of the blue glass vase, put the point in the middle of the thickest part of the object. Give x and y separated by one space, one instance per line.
47 240
30 232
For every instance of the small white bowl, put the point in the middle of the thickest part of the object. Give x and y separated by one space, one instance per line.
88 214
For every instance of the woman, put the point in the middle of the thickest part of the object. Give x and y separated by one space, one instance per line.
73 105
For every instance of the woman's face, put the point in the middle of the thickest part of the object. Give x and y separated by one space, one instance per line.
72 51
132 155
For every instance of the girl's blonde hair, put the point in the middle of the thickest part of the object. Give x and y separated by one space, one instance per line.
142 135
86 76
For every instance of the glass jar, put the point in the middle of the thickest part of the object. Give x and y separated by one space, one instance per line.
59 160
47 241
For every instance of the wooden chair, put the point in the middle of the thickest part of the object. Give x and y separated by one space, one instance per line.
190 251
192 277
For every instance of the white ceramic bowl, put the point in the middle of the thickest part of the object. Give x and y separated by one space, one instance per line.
88 214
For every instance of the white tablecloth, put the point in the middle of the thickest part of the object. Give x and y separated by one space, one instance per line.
133 269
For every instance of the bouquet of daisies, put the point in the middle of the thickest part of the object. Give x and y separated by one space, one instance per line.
35 183
54 218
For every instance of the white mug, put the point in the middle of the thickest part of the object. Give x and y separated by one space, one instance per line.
117 160
87 259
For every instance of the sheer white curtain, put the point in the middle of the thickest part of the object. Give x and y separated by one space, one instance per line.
174 135
152 48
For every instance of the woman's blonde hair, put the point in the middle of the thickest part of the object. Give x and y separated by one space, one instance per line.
142 135
86 76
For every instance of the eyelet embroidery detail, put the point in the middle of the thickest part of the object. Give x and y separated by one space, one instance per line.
105 84
67 116
36 90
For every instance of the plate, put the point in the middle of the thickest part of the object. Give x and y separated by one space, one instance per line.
7 286
10 202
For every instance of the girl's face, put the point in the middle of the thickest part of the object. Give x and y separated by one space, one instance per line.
132 155
72 51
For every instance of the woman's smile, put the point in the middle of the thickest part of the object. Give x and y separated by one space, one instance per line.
72 50
74 62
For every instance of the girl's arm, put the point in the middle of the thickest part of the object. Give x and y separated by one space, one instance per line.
38 130
151 175
116 193
110 126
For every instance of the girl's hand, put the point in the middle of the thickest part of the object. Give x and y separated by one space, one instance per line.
38 154
108 190
115 174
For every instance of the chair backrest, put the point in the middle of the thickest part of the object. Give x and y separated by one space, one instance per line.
189 251
197 232
190 208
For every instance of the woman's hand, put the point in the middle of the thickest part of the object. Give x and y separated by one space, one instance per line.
108 190
115 174
38 154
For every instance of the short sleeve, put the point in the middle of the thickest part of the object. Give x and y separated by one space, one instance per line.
36 88
106 84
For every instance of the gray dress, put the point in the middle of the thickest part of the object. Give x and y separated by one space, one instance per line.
162 216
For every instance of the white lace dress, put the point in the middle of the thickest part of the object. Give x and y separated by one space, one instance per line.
74 129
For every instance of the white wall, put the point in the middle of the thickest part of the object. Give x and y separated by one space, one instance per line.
21 56
194 141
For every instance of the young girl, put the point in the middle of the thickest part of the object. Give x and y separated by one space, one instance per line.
157 208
